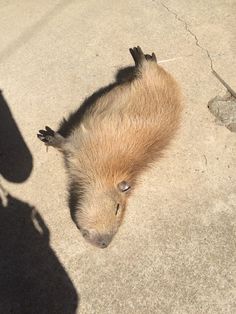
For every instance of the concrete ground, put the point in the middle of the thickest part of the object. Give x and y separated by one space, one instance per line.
175 252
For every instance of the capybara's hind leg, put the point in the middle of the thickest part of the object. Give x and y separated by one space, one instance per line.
51 138
139 57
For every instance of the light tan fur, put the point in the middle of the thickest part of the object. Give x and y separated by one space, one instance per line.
122 134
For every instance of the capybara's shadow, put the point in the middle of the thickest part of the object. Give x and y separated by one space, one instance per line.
67 125
32 279
122 76
16 161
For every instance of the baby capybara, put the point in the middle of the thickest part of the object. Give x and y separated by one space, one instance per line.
118 137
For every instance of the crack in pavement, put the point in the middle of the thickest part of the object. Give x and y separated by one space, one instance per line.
186 26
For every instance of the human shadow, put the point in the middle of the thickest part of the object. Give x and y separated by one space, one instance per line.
123 75
32 279
16 161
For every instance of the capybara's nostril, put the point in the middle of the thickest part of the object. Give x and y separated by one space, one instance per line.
104 240
103 244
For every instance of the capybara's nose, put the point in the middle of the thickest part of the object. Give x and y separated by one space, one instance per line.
103 240
97 239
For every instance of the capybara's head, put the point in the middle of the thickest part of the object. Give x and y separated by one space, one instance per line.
100 213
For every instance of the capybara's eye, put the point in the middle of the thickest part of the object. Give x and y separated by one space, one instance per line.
117 208
124 186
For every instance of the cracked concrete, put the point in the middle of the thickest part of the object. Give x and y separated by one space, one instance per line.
189 31
222 81
175 252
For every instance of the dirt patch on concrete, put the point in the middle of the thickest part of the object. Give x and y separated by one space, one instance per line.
224 109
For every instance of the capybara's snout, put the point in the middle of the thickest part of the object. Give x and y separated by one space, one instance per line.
99 240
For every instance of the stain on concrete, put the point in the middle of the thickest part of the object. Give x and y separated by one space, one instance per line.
224 109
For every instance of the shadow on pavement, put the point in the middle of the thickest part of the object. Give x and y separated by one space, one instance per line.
32 279
16 161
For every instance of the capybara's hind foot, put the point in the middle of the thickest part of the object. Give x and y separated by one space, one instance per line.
139 57
51 138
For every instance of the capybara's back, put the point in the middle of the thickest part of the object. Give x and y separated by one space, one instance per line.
119 136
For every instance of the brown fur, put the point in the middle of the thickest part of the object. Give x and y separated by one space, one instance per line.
122 134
